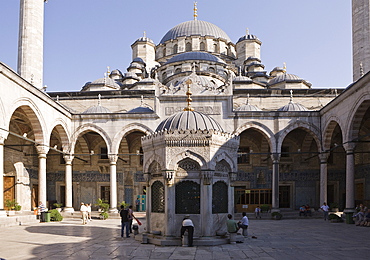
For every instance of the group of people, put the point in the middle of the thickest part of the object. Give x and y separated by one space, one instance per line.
362 217
85 210
127 216
305 210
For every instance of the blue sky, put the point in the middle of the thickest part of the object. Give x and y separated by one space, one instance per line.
83 37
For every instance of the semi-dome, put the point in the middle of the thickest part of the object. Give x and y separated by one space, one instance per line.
105 82
284 78
141 110
248 107
195 27
195 55
189 120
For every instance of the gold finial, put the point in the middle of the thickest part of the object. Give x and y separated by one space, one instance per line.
284 67
108 70
188 93
195 11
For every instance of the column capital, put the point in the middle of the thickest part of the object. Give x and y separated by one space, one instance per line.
207 176
42 150
323 157
169 176
68 158
113 158
349 147
275 157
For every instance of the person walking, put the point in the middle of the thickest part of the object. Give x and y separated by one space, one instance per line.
88 211
130 217
124 221
137 203
83 210
325 210
187 225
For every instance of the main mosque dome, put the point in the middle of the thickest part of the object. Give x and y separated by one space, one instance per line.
189 120
195 27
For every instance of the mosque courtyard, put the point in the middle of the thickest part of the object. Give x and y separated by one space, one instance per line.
303 238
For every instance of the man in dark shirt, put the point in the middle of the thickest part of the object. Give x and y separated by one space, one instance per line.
125 221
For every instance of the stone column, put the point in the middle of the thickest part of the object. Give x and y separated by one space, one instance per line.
323 177
42 150
68 183
113 182
275 181
350 177
2 211
207 227
170 228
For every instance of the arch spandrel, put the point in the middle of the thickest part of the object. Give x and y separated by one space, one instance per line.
264 130
35 117
127 130
313 130
89 128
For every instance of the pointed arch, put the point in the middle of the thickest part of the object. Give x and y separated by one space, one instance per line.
173 164
87 128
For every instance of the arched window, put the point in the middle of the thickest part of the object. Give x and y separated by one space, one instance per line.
215 47
178 70
202 46
188 46
187 198
211 69
164 75
175 49
164 52
219 197
158 199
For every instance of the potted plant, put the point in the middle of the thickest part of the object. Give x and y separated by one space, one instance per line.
55 215
12 206
58 206
103 208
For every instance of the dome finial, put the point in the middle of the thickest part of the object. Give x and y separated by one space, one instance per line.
108 70
361 69
99 100
195 11
291 96
284 67
142 101
144 34
247 99
188 93
247 31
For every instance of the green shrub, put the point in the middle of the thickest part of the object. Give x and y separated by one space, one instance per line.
58 205
265 208
55 215
104 215
17 207
276 215
12 205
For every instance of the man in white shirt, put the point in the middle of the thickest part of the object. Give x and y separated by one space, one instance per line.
83 210
325 209
243 224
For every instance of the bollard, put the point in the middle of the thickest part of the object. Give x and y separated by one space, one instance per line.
145 238
185 239
136 229
232 238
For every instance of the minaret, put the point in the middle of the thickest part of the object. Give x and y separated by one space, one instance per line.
30 45
360 37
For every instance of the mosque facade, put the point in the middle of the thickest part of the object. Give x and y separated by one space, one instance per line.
195 125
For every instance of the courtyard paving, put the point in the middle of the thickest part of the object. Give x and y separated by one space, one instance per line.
304 238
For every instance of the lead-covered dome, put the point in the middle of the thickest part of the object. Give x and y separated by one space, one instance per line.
189 120
195 27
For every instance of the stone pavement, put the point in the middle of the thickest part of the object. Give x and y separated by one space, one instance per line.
100 239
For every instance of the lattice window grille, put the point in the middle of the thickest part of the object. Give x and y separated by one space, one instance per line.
219 198
158 199
187 198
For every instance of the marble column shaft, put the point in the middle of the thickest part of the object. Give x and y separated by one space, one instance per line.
113 181
350 177
323 177
68 184
275 180
42 151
